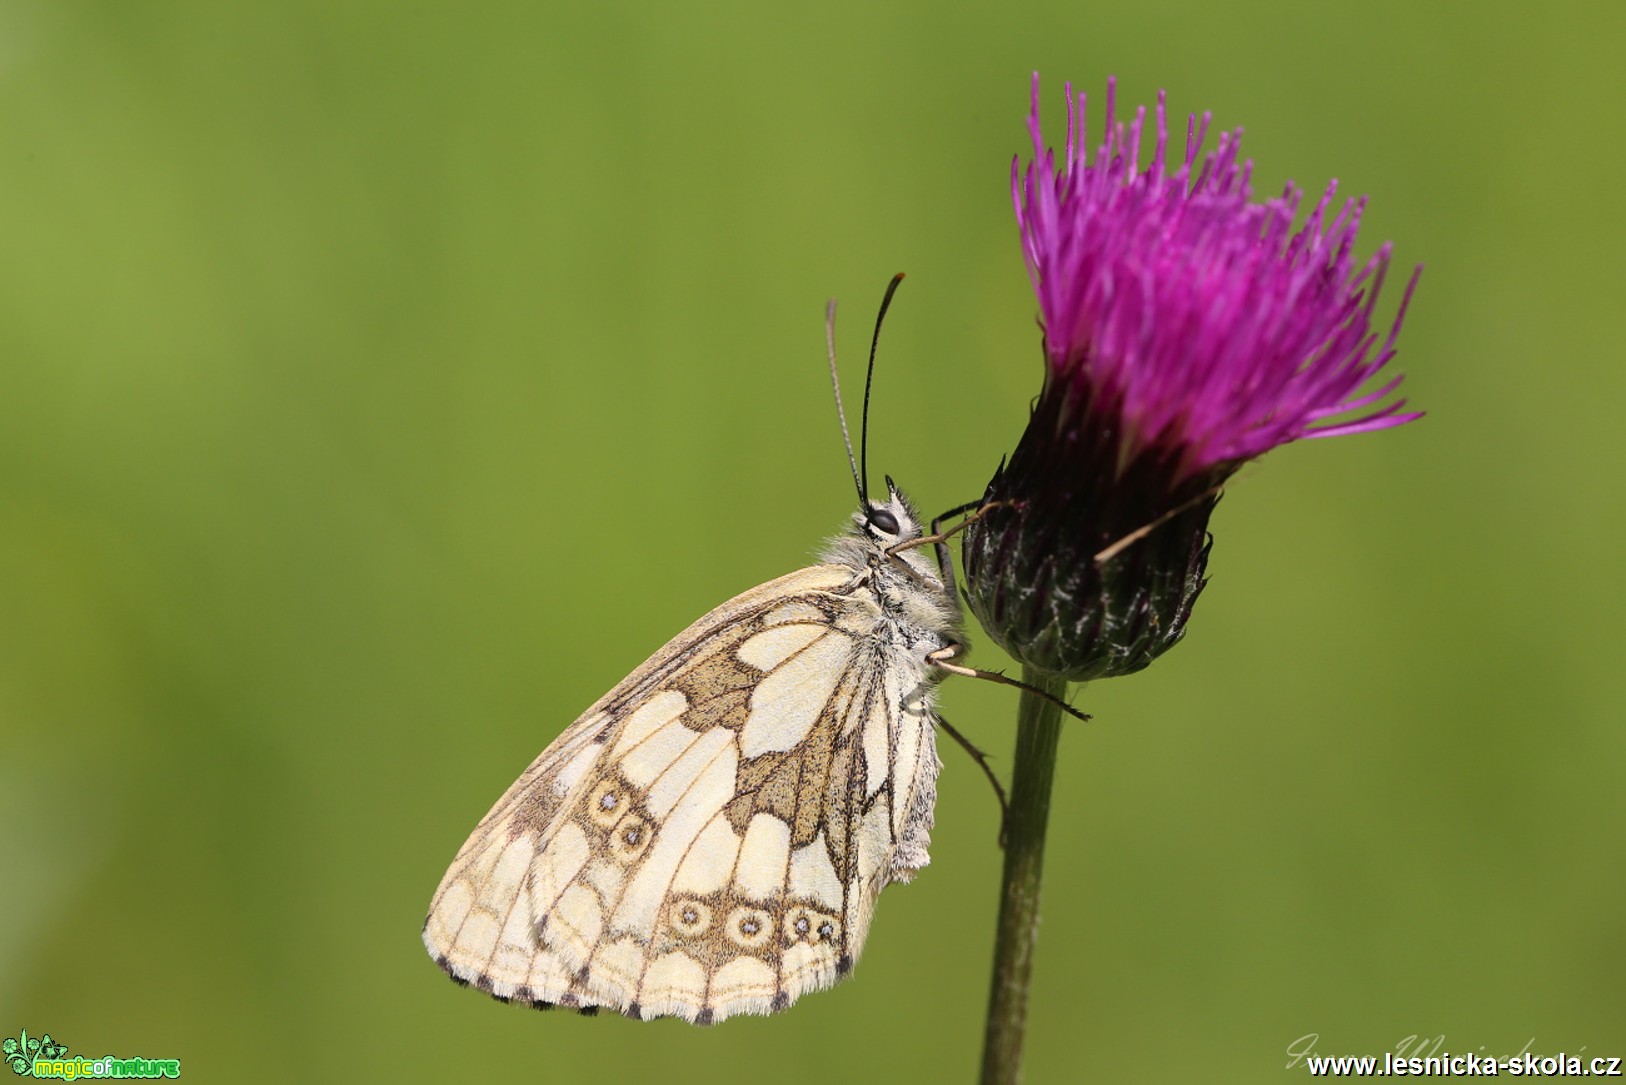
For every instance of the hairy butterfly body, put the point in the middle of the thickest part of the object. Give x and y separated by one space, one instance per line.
709 838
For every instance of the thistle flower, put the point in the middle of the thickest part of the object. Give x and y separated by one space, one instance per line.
1187 330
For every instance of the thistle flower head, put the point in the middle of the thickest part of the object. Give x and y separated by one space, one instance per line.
1187 329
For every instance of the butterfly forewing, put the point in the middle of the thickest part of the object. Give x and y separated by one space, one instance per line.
708 839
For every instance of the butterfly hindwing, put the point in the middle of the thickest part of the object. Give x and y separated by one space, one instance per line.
708 839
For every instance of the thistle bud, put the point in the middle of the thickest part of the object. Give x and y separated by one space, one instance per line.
1187 330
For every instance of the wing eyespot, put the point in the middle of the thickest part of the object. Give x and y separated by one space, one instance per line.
630 838
749 928
609 802
804 924
690 918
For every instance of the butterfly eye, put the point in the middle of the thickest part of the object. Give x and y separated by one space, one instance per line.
883 520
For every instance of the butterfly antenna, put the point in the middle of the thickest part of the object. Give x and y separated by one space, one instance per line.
869 377
835 382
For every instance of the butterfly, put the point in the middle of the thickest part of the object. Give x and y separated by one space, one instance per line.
709 838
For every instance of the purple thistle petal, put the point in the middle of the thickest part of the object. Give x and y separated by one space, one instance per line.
1200 320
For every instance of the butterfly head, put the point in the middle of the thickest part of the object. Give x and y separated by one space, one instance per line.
908 579
886 522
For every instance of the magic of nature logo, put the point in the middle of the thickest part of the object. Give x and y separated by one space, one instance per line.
42 1057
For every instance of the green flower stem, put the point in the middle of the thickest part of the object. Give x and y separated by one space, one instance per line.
1038 731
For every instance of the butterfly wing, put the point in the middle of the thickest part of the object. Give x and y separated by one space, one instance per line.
708 839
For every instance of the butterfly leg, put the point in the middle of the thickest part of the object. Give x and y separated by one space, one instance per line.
942 656
939 538
1141 532
987 770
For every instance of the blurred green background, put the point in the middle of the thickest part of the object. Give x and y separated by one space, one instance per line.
383 381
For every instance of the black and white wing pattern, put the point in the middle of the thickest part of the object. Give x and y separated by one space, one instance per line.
710 837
